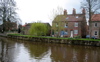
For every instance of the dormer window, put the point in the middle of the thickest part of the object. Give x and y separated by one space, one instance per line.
76 16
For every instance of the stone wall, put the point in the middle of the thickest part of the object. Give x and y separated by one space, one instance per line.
60 41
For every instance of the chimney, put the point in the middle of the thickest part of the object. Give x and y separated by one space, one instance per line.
83 11
65 12
74 11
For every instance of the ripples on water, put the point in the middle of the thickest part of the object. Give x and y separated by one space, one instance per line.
24 51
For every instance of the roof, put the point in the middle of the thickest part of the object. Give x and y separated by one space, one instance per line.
95 17
48 24
77 17
70 17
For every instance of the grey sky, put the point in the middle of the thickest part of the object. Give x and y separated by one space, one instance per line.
33 10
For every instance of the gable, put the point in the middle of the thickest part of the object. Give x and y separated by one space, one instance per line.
95 17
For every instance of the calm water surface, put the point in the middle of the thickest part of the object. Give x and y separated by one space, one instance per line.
24 51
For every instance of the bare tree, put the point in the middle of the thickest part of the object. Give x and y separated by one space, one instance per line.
57 17
92 7
8 12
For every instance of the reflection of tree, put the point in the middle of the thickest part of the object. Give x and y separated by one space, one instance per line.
2 50
7 50
38 50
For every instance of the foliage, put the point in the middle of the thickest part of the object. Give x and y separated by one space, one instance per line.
56 12
8 12
37 49
15 34
91 6
77 37
58 17
38 29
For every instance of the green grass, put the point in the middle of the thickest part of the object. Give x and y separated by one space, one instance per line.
84 39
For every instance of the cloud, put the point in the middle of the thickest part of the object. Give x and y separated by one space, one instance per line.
33 10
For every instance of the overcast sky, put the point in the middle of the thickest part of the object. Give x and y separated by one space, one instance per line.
33 10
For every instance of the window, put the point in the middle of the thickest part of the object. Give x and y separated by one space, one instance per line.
76 24
95 33
67 18
56 24
56 32
66 25
76 16
75 31
95 24
66 32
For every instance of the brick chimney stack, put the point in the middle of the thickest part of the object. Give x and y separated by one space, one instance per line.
65 12
83 11
74 11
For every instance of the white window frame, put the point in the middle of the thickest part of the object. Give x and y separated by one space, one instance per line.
66 26
76 24
66 32
75 31
77 17
96 33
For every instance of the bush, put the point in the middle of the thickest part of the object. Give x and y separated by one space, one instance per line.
77 37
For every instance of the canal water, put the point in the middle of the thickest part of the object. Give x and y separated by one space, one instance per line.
27 51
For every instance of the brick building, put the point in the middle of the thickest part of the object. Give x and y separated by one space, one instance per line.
9 26
70 25
94 27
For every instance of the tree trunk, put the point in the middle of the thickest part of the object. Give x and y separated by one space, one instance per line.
90 17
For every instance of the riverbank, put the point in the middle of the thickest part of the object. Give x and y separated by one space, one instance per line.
70 41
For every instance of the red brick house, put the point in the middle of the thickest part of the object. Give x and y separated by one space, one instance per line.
12 26
94 27
73 24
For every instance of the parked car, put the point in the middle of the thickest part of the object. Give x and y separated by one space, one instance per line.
93 37
87 36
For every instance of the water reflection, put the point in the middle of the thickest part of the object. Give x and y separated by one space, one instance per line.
8 50
24 51
63 53
38 50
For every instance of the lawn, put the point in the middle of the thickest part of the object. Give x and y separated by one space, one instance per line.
85 39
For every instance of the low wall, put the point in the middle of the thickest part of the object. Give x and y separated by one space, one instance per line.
62 41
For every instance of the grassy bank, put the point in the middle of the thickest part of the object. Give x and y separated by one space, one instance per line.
84 39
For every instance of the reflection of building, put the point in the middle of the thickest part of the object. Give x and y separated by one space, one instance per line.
70 24
65 53
95 26
61 53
